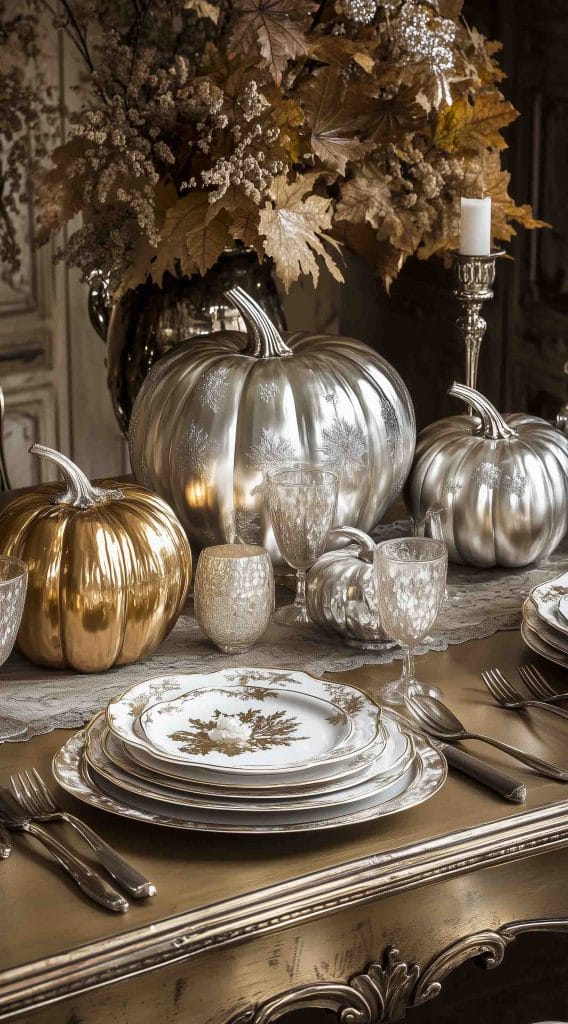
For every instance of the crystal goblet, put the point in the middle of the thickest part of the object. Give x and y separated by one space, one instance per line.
13 585
302 500
411 584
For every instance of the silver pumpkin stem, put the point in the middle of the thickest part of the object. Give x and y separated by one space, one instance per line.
366 545
264 341
493 426
80 492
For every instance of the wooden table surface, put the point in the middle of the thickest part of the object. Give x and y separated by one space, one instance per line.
203 880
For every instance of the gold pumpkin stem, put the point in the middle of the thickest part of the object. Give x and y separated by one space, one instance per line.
493 426
264 341
80 492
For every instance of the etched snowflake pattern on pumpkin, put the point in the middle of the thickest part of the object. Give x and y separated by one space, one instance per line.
197 449
213 387
345 445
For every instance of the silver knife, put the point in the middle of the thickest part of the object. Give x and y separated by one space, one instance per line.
5 843
475 768
506 785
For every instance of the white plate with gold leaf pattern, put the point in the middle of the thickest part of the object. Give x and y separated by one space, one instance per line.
237 729
366 783
70 769
546 599
307 750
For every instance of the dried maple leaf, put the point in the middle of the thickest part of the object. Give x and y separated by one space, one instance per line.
467 127
369 198
196 240
494 181
289 118
294 227
365 197
343 51
394 116
274 27
334 117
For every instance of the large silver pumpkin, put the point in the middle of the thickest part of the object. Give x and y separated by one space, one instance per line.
218 412
341 593
502 481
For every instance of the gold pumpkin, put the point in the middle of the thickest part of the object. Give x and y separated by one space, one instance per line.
109 569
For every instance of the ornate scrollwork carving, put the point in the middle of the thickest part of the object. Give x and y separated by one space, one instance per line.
385 990
380 993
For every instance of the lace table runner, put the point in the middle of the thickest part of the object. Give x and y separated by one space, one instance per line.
479 603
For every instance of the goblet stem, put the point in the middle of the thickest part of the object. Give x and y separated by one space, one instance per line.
300 599
408 685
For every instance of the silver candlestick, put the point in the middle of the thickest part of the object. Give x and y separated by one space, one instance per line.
474 284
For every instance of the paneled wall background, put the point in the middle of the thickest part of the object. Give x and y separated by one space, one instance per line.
52 362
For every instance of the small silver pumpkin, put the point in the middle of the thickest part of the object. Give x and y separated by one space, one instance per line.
502 480
341 594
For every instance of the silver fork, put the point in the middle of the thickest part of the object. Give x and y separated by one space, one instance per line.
507 695
535 682
32 793
88 880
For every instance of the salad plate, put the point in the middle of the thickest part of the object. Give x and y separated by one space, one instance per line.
253 730
223 738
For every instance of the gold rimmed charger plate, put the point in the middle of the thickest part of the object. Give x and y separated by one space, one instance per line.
373 782
70 770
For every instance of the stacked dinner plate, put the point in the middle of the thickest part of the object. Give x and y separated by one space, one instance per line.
248 750
545 620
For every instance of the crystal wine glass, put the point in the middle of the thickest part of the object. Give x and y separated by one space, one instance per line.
411 583
13 585
302 499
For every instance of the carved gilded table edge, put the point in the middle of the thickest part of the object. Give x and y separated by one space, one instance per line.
300 899
386 989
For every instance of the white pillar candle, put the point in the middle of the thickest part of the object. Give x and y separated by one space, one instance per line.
475 227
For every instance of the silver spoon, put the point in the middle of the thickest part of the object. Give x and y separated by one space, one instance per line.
438 720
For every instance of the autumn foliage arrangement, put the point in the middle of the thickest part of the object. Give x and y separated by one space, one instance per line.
293 127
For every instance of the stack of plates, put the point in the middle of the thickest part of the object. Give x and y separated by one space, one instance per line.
248 750
545 620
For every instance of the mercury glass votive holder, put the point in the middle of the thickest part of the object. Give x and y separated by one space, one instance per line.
234 595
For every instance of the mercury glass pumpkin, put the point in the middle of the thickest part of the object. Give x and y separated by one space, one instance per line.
501 480
341 593
108 569
215 415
